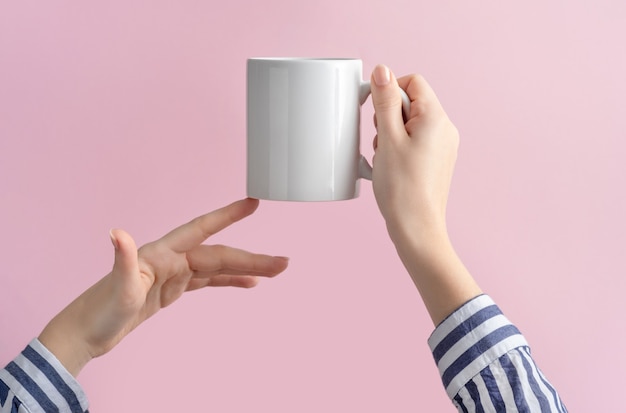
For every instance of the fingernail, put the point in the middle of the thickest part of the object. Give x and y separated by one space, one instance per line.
116 245
283 258
382 75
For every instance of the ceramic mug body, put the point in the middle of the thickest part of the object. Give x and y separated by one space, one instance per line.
303 121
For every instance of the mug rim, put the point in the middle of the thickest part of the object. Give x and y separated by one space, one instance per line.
302 59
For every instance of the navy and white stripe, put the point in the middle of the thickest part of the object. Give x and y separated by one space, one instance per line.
485 363
37 382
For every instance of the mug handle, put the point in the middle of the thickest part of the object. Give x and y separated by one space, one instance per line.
365 169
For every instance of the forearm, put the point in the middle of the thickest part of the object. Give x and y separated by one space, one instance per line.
64 337
65 345
441 278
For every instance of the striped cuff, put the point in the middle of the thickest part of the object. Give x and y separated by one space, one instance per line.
469 340
41 382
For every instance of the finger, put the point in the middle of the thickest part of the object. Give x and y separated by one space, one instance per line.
241 281
375 142
211 260
421 94
387 103
126 262
196 231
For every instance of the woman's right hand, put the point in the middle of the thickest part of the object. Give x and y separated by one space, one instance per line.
413 161
413 167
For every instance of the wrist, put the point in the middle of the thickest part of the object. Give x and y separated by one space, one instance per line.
440 276
64 343
421 248
417 236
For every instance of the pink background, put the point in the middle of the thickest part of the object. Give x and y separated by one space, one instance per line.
132 115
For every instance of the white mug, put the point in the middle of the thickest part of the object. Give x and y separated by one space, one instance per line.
303 128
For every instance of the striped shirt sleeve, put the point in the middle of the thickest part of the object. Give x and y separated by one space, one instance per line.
36 382
485 363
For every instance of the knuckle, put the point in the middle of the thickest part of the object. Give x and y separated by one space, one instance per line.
219 249
421 100
419 105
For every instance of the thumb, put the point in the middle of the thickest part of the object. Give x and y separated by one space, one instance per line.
126 261
387 102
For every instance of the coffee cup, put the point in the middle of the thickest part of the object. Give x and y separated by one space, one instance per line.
303 128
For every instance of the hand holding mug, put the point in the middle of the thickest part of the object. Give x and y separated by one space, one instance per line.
413 161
